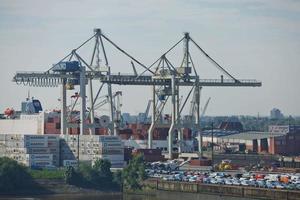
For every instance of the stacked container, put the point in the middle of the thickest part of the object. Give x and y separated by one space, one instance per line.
150 155
92 147
31 150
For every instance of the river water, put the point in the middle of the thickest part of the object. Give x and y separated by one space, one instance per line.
166 196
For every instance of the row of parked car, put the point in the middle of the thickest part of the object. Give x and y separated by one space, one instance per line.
275 181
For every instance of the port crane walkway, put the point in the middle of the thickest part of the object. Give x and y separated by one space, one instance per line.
41 79
165 79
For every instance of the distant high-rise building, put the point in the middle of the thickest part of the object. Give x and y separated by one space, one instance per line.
276 114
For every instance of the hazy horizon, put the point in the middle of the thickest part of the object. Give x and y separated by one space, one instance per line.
252 39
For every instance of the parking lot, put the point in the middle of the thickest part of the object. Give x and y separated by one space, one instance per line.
274 181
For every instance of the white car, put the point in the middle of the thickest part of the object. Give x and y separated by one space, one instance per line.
236 182
213 181
157 176
245 183
228 182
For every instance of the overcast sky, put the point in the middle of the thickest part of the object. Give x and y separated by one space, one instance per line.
256 39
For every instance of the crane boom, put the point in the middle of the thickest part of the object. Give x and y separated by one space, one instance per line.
147 111
205 107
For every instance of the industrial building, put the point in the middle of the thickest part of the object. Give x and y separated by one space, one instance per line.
281 140
275 113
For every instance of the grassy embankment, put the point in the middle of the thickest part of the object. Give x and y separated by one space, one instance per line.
47 174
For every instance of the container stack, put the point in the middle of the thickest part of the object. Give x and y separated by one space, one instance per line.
150 155
31 150
89 148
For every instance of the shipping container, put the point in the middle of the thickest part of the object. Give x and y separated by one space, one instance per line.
42 163
39 156
109 157
73 163
68 66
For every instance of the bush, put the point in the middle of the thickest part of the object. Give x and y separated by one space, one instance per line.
13 176
101 174
118 179
96 176
70 175
134 173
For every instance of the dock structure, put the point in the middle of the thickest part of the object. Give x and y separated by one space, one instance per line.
162 76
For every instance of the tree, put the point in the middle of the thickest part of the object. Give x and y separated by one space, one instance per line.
134 173
118 179
70 175
13 176
101 174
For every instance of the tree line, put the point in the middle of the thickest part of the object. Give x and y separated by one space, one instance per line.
17 177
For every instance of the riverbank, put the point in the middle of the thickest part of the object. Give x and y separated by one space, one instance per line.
58 187
195 191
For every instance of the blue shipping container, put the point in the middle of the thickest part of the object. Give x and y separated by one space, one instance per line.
70 66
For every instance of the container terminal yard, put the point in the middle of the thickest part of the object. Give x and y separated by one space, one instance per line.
172 144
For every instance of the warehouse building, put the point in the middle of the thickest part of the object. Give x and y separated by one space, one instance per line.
282 140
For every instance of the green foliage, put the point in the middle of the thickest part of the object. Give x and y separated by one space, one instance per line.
118 179
47 174
101 174
13 176
134 173
86 173
96 176
70 175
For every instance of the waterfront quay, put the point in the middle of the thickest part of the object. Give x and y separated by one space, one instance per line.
188 190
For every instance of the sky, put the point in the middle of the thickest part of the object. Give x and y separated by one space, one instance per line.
256 39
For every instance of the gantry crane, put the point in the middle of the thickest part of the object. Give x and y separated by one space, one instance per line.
165 79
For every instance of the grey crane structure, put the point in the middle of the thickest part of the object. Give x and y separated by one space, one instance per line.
165 80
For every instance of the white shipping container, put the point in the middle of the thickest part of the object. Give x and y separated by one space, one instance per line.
110 157
37 151
12 150
35 137
107 138
41 163
36 144
72 163
39 156
85 157
108 151
15 144
52 144
110 145
114 164
2 137
53 138
17 157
